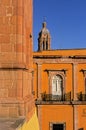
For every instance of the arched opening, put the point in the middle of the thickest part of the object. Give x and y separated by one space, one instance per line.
57 85
43 45
46 45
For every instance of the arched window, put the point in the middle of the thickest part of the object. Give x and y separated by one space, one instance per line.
57 83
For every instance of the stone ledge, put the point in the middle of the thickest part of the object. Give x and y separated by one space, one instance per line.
40 102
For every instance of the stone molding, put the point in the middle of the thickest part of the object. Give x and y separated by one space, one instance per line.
58 60
51 73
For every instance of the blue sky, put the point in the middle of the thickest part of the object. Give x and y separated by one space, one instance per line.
66 21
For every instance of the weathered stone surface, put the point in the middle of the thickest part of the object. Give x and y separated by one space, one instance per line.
15 58
10 124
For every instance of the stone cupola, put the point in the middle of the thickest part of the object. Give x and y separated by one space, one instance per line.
44 38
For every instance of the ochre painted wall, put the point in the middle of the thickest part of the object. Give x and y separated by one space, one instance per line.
57 113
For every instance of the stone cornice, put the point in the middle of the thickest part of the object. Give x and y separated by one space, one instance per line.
46 56
63 70
59 56
59 60
78 57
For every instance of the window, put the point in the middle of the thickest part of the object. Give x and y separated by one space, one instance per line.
57 85
57 126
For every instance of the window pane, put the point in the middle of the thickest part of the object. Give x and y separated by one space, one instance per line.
58 127
57 85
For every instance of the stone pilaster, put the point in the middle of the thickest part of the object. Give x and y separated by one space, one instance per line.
39 80
74 81
75 117
40 116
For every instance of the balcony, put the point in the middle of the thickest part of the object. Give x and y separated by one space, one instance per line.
50 97
81 96
64 99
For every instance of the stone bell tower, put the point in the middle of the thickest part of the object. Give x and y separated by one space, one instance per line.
16 58
44 38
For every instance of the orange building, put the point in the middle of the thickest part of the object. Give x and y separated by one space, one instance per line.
59 85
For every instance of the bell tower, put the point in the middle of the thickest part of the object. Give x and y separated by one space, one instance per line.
44 38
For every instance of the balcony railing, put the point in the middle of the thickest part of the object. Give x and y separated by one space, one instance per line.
67 96
51 97
81 97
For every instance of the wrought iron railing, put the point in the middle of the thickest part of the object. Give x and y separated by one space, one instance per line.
51 97
81 96
67 96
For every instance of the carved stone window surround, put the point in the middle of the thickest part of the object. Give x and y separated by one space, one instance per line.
52 123
52 73
84 74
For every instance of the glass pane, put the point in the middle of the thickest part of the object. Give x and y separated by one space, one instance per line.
58 127
57 85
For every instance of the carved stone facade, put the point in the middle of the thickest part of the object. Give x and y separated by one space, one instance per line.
16 63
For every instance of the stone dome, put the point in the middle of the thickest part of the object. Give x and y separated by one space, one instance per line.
44 30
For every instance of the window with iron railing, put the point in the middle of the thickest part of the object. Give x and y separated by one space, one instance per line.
56 89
